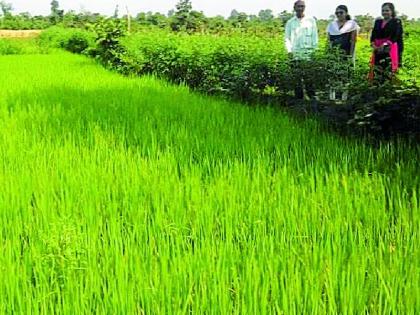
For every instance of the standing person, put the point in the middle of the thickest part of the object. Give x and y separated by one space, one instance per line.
387 44
342 36
301 38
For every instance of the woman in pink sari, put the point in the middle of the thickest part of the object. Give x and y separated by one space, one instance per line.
387 43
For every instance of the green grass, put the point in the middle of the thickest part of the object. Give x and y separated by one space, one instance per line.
19 46
130 196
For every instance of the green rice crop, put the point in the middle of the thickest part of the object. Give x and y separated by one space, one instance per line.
19 46
131 196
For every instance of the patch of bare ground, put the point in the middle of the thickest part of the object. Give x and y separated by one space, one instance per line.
19 33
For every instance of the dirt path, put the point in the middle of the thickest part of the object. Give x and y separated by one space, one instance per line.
19 33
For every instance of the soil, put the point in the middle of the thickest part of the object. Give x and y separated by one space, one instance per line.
19 33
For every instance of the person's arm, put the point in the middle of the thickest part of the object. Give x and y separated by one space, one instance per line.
288 37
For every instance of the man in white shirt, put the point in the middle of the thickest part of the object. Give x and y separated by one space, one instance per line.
301 36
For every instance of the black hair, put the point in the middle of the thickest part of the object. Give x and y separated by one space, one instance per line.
345 9
296 2
392 7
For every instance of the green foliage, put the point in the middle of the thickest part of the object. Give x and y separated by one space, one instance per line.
8 47
6 9
56 15
257 69
180 17
21 47
249 68
187 20
74 40
108 49
237 66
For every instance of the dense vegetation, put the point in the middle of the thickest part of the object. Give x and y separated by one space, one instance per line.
130 196
183 18
255 68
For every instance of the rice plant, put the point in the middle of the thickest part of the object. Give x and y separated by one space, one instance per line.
132 196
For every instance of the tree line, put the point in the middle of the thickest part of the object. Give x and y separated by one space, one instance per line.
183 18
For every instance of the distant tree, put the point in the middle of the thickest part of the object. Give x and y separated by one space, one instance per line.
171 13
156 19
216 23
196 22
253 17
141 18
266 15
182 13
365 22
233 14
404 17
116 12
6 9
238 19
56 14
285 16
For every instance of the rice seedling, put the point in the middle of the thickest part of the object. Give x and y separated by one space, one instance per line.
132 196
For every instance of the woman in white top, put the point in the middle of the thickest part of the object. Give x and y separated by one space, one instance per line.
342 35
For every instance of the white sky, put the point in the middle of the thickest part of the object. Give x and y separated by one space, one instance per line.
318 8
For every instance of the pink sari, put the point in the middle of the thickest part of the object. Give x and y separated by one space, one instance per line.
393 53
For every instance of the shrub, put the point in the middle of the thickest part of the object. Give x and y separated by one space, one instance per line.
73 40
108 33
8 48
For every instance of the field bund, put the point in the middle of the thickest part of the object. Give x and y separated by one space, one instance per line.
19 33
132 196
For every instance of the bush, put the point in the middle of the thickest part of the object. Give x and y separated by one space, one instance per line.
8 48
257 68
73 40
78 42
241 67
108 33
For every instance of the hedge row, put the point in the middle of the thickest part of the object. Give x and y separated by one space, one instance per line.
252 69
71 39
237 66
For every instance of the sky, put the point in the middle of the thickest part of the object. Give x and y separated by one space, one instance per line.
318 8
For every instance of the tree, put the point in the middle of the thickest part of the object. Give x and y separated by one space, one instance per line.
233 14
216 23
156 19
403 17
266 15
285 16
365 22
238 19
56 14
180 18
6 9
116 12
184 17
196 22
